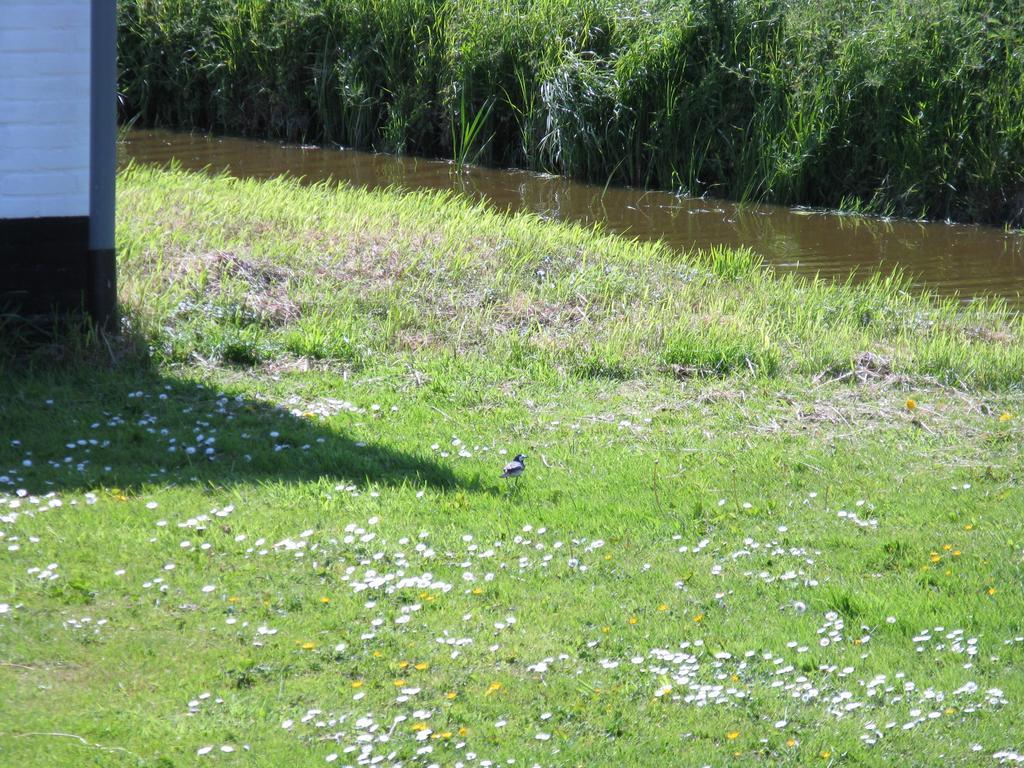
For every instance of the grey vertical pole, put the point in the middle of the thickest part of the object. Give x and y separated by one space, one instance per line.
102 290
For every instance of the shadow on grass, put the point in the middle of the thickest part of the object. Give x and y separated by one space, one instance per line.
80 429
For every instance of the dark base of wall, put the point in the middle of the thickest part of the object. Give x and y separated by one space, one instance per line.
102 296
46 267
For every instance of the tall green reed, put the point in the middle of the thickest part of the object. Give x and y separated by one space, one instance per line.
909 107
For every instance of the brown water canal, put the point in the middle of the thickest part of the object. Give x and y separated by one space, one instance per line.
949 259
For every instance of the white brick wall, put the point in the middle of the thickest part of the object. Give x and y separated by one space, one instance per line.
44 108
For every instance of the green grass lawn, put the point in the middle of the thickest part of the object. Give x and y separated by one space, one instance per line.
273 532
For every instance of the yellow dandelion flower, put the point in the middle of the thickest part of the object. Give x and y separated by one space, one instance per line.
403 664
699 617
969 526
949 711
946 547
734 678
421 666
956 553
633 619
790 742
1005 416
451 695
911 404
463 730
732 735
825 754
232 599
990 591
607 557
493 688
606 630
357 683
935 557
420 726
325 600
445 734
478 591
377 654
308 646
398 683
663 607
949 571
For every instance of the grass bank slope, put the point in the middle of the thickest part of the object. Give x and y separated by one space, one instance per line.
240 271
280 538
914 107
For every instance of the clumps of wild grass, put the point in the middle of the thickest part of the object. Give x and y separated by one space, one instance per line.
714 351
226 311
864 368
909 108
283 270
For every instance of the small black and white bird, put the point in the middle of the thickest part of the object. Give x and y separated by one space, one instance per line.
516 467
